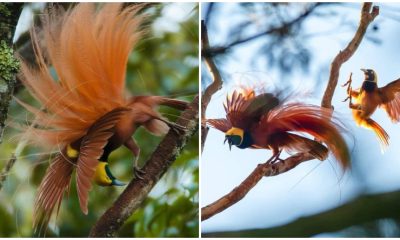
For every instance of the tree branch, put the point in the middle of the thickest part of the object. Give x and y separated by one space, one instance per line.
138 189
361 210
262 170
367 16
215 86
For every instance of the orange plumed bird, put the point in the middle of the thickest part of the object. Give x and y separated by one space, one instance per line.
269 121
84 112
369 97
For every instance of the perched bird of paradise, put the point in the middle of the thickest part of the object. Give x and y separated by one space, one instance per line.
84 112
269 121
369 97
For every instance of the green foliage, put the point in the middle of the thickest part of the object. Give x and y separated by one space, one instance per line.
8 65
4 10
164 63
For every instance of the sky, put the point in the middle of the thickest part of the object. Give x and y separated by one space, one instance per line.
313 186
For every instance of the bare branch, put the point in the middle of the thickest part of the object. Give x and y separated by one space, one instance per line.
138 189
367 16
262 170
215 86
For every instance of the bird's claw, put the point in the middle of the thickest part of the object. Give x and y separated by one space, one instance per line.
274 158
278 159
348 97
138 173
177 128
346 83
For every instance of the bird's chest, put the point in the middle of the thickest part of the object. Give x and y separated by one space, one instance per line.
368 102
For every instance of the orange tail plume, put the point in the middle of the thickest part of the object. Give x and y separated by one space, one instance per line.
89 51
379 131
315 121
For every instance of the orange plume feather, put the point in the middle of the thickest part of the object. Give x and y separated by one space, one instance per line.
89 50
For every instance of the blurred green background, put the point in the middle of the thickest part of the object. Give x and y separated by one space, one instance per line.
164 63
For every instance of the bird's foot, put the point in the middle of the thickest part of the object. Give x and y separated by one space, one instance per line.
348 83
138 173
274 157
270 161
278 159
177 128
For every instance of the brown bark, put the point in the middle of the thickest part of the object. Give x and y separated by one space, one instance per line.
262 170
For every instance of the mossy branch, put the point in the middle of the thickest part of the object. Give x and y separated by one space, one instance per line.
9 66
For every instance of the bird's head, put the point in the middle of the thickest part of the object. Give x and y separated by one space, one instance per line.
104 177
234 136
370 75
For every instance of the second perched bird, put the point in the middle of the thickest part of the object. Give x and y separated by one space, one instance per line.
267 121
369 97
85 114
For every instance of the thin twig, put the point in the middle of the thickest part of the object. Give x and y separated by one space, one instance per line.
222 49
215 86
138 189
367 16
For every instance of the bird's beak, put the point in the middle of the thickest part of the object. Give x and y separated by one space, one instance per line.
230 146
364 70
116 182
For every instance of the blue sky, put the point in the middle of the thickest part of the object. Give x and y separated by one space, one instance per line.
313 186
